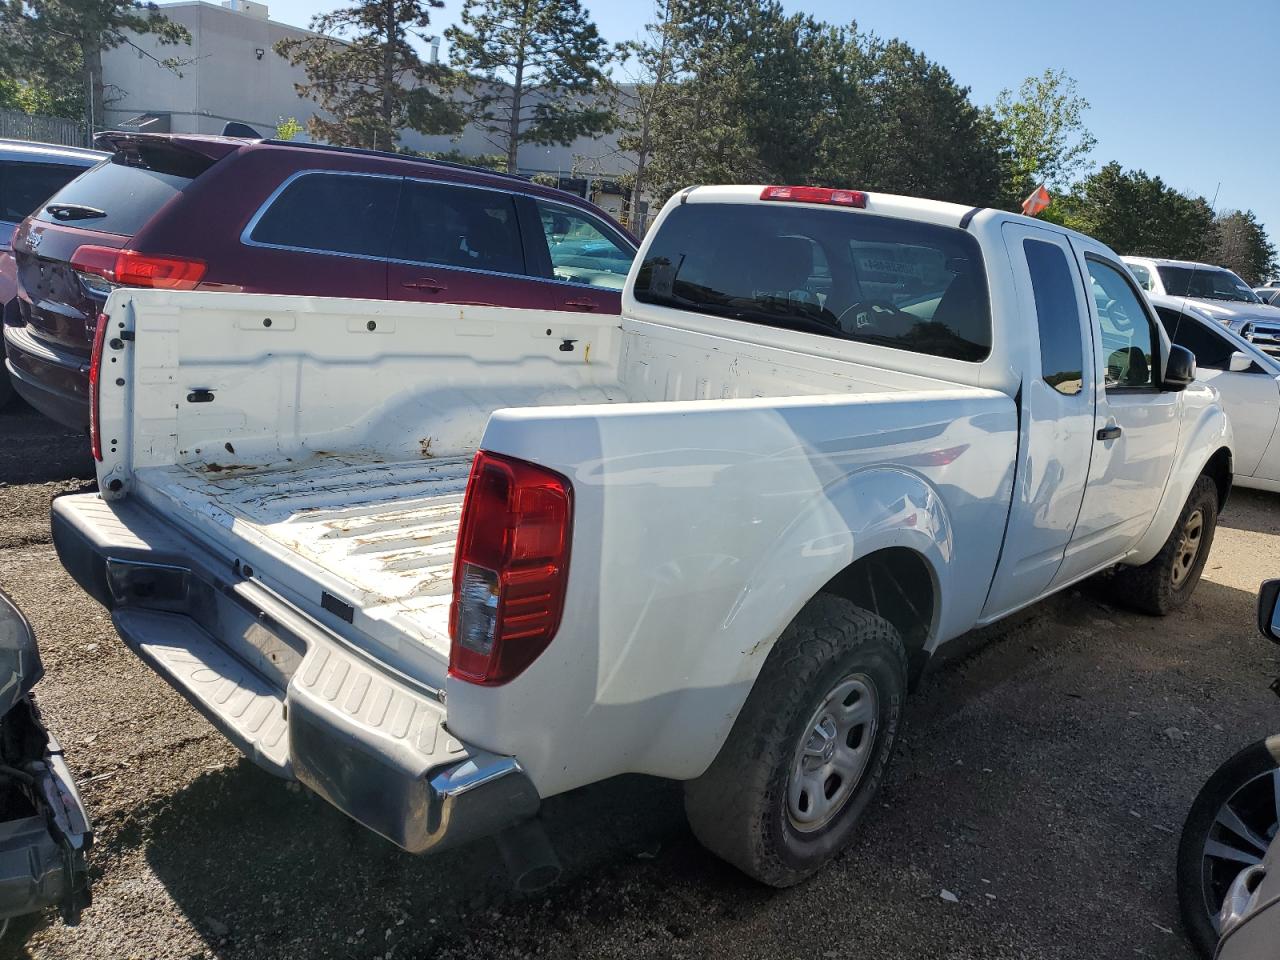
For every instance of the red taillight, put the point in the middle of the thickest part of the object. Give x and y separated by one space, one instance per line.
839 198
511 568
138 269
95 387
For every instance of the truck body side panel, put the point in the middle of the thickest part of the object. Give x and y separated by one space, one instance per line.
701 528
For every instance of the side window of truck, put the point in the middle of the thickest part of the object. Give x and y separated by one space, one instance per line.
1057 316
1128 340
1141 274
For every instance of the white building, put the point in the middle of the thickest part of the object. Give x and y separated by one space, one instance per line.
234 74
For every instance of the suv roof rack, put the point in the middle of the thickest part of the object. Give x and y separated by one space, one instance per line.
391 155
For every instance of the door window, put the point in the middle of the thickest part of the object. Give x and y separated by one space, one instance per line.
453 226
331 213
1057 316
1213 351
1141 274
581 250
1128 340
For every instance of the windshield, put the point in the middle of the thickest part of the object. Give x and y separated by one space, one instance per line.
854 276
1206 283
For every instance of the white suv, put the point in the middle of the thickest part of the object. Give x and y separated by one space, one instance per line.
1217 292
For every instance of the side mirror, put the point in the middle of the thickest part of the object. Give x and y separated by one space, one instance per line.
1269 610
1180 372
1240 362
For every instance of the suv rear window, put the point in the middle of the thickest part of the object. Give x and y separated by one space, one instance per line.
120 195
24 186
854 276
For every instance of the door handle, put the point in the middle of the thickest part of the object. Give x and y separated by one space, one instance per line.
424 283
1109 432
581 304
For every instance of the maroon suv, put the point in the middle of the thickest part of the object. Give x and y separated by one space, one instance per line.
219 213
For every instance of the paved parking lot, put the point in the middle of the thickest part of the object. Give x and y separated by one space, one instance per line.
1042 781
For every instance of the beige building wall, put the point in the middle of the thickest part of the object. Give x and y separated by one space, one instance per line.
226 79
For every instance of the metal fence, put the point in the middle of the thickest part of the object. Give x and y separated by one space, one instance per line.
16 125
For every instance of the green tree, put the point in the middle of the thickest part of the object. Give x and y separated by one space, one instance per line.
923 136
287 128
487 161
532 71
55 47
1140 215
1240 244
1044 128
761 96
366 73
651 64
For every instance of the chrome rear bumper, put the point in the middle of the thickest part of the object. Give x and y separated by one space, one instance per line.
295 697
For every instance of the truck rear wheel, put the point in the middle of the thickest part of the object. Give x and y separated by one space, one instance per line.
1164 583
810 747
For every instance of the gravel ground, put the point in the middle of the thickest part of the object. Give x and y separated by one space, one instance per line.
1042 781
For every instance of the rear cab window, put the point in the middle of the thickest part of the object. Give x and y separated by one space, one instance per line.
122 194
852 276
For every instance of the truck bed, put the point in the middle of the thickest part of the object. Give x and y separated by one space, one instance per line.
381 533
328 450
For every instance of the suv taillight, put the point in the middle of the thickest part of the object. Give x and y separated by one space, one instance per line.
135 269
511 568
95 387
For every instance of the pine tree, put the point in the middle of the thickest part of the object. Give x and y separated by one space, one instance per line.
54 48
1240 244
366 73
533 72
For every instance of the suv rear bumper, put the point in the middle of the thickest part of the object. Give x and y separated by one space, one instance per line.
53 381
296 698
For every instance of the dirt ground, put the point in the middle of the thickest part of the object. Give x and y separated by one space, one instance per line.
1042 781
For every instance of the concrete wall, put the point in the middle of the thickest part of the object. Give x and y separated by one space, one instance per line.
226 79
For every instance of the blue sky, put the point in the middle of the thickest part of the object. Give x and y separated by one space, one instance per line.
1178 88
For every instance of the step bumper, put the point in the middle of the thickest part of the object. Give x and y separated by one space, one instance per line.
296 698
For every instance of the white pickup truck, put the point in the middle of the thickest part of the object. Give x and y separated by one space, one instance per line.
439 563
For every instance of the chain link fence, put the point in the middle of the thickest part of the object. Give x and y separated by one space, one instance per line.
16 125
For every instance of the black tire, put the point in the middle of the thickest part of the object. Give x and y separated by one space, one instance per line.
1154 587
1202 886
739 808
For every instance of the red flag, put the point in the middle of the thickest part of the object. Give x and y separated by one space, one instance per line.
1035 204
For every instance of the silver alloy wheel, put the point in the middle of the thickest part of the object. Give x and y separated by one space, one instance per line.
833 753
1241 834
1188 547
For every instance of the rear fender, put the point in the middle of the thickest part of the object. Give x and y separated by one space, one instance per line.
863 513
